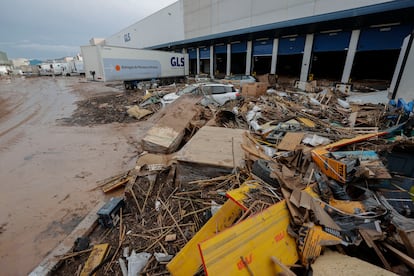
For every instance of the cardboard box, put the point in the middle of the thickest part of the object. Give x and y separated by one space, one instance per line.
270 79
254 89
263 78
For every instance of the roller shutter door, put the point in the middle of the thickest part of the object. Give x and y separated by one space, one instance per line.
192 53
239 47
220 49
291 45
383 38
205 53
331 42
263 47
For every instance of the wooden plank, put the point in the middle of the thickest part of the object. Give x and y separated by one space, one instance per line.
307 122
291 140
166 135
253 147
248 246
408 239
361 130
109 180
255 152
403 257
112 186
95 258
375 170
162 139
188 260
369 241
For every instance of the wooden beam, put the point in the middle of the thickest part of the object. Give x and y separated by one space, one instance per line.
400 255
371 244
408 240
95 258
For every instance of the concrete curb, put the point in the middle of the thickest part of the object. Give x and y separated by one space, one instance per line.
83 229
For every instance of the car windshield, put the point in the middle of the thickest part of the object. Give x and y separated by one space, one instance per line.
219 89
187 90
234 77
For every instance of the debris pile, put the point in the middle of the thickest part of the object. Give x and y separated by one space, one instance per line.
123 107
284 183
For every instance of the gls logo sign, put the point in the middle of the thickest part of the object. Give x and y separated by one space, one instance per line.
177 62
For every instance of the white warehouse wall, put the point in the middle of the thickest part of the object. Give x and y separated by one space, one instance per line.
164 26
205 17
187 19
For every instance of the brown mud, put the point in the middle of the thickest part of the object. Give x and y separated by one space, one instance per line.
48 168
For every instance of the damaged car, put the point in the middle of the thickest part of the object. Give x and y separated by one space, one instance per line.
213 93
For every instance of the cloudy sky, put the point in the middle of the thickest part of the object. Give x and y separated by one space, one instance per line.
43 29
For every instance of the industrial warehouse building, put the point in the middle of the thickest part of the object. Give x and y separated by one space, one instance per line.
323 39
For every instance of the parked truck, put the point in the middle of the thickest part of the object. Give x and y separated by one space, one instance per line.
51 68
110 63
73 68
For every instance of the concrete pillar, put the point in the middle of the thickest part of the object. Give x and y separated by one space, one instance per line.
307 54
198 61
184 51
398 68
274 56
212 61
353 43
249 57
228 65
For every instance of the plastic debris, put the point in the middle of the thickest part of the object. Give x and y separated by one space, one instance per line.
137 261
162 257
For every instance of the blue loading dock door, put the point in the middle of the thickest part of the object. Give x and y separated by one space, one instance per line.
331 42
383 38
192 53
263 47
239 47
220 49
291 45
205 53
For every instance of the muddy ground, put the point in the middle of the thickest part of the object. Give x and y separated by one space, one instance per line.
51 160
58 137
103 108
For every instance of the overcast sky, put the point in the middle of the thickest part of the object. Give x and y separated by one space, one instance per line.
44 29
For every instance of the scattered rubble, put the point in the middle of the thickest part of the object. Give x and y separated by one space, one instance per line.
298 181
166 135
122 107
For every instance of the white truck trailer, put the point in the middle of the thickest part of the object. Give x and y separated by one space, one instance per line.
51 69
110 63
73 68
